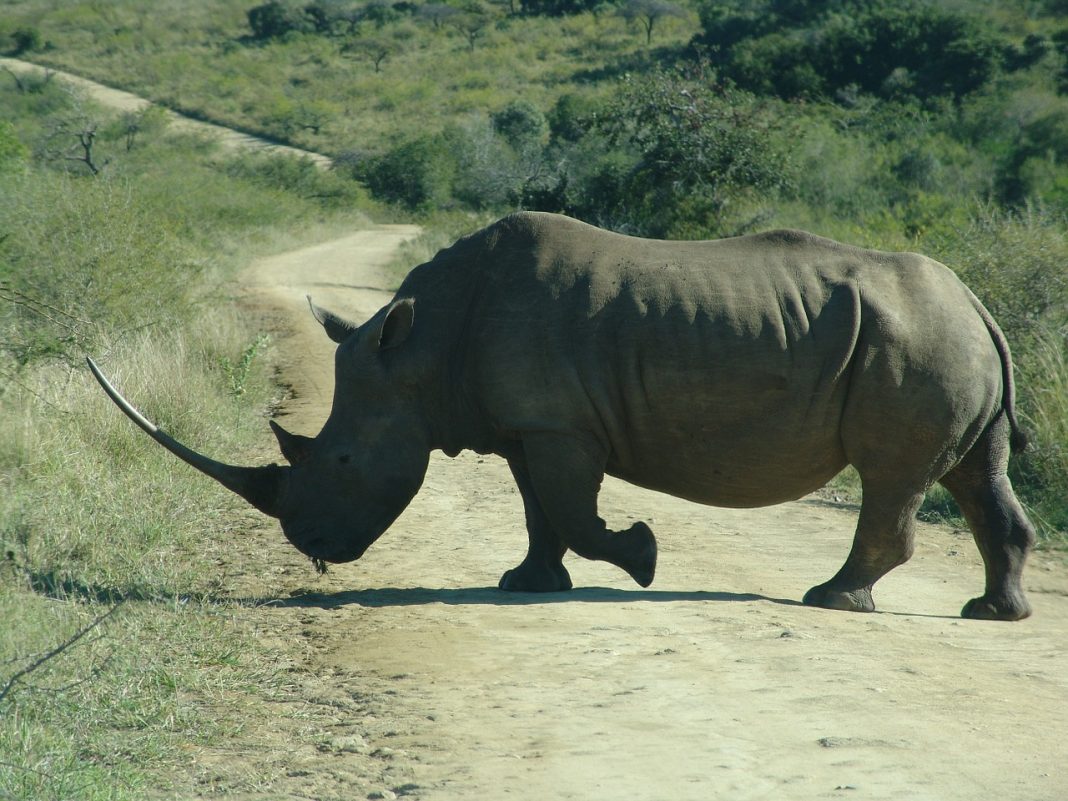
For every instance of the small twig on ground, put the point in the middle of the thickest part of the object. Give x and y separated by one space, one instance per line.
63 646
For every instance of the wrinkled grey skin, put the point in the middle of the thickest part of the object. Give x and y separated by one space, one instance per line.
741 372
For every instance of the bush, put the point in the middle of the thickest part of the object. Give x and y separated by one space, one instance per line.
296 175
13 153
26 40
695 144
417 174
884 48
558 8
521 124
274 20
1037 166
86 256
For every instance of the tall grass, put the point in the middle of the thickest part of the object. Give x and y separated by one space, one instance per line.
1044 470
132 266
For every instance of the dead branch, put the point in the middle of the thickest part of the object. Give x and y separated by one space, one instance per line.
63 646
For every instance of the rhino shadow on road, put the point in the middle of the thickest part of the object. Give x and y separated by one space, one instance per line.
492 596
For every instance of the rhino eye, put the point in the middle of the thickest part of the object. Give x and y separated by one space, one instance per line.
344 459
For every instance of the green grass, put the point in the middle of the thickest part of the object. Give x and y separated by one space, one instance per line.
134 266
126 705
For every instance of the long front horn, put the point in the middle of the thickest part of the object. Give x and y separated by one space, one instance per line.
260 486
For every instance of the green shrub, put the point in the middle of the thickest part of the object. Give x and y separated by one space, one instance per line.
275 19
693 144
884 48
417 174
13 153
521 124
1037 166
26 40
296 175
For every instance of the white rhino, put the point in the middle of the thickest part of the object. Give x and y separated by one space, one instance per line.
738 372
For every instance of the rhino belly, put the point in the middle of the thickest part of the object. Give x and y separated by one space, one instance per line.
758 464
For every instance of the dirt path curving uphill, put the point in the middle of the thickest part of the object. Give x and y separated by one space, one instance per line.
713 684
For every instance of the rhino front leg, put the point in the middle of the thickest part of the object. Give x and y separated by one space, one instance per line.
543 568
566 473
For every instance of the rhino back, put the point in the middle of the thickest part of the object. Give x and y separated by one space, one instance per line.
673 354
717 371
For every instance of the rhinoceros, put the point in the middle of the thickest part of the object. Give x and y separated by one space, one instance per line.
739 372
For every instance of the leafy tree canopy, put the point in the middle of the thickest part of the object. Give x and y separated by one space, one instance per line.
886 48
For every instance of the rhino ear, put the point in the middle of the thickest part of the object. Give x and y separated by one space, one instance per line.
337 328
294 447
397 325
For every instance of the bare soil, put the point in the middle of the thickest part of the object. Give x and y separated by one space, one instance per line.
413 676
410 674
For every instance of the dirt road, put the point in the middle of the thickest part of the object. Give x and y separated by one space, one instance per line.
413 676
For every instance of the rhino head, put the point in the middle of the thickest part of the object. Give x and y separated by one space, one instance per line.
344 487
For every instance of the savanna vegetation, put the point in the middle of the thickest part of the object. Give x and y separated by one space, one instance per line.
126 251
930 125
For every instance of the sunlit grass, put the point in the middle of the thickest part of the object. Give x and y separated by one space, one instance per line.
135 267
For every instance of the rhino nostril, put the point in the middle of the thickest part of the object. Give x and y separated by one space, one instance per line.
344 459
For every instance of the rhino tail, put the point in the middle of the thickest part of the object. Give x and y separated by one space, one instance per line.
1017 437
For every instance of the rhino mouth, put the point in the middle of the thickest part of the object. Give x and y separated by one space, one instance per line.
322 550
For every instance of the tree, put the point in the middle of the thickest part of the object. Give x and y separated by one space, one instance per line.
26 40
471 22
376 49
678 148
648 12
437 13
273 20
74 139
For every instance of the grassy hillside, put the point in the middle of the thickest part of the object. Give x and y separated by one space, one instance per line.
361 86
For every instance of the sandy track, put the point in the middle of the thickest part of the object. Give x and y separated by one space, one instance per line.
715 683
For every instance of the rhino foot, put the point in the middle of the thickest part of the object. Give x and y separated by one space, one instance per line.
641 566
846 600
1012 607
534 577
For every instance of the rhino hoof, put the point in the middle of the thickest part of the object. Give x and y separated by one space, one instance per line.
985 608
847 601
543 578
642 567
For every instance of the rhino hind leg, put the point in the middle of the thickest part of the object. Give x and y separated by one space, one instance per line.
883 540
565 473
999 525
543 568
